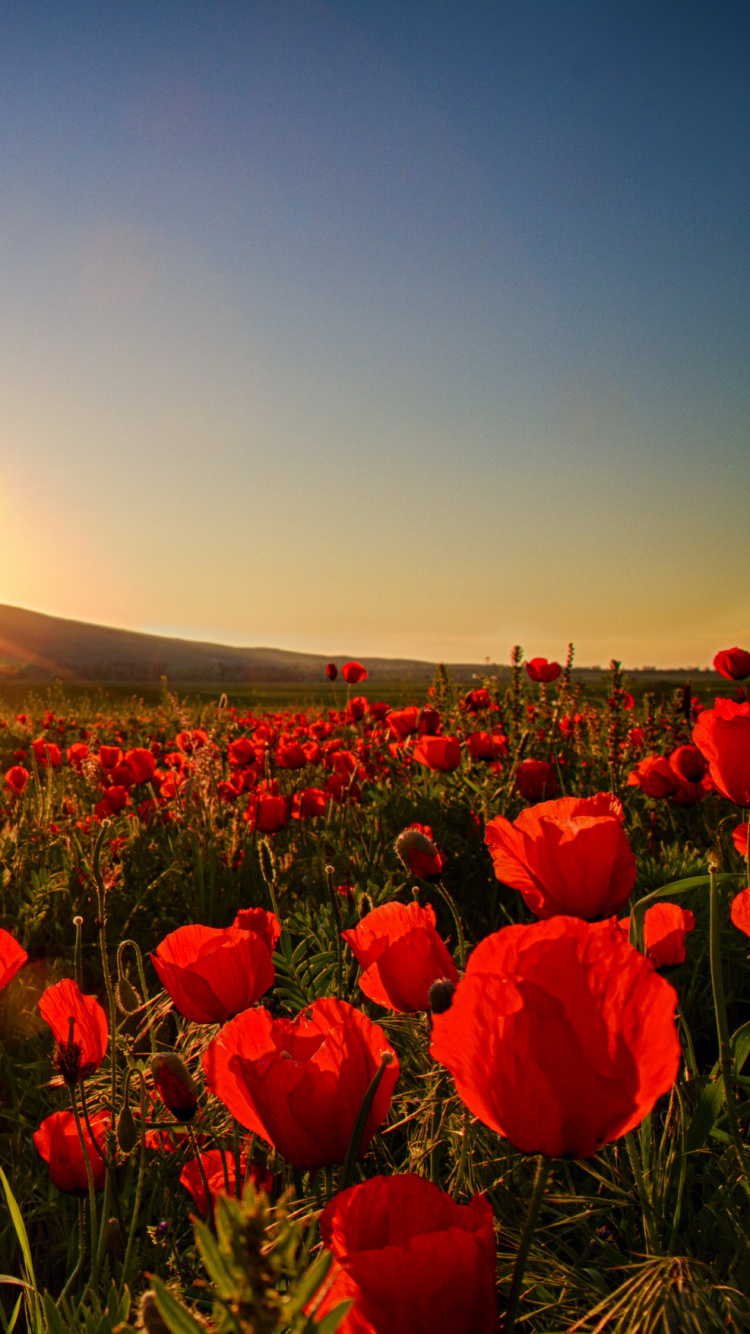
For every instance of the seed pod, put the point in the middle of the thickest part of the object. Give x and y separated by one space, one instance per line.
440 995
127 997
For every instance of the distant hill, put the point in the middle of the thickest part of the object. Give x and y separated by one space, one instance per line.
34 647
38 647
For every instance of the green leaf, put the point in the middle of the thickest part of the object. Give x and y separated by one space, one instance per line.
707 1109
20 1229
331 1322
740 1044
310 1282
179 1320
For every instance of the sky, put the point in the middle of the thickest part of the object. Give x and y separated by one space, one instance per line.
379 327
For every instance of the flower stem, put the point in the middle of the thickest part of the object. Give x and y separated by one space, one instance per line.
443 892
726 1061
355 1143
535 1203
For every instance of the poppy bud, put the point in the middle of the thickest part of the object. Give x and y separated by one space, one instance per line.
413 840
127 1130
150 1317
440 995
332 671
176 1086
127 997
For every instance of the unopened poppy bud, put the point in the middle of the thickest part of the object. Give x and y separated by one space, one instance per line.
441 995
150 1317
113 1239
413 840
127 1130
127 997
176 1086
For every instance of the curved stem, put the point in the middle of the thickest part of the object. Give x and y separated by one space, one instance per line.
460 941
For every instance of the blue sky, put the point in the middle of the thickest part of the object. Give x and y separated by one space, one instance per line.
399 328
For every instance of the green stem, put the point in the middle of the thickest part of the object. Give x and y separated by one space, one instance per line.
535 1203
460 941
202 1171
138 1190
90 1181
726 1061
355 1143
333 896
649 1217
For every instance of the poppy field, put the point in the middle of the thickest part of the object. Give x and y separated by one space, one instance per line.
385 1020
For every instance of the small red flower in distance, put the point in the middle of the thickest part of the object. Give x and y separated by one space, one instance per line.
569 856
110 756
739 838
401 954
654 776
419 853
332 671
442 754
79 1027
12 957
353 673
539 669
487 745
17 777
734 663
665 927
212 973
477 700
535 780
299 1083
59 1145
740 911
412 1259
561 1036
722 735
213 1166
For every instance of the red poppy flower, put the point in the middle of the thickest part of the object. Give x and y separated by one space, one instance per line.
402 955
477 700
539 669
241 752
740 911
722 734
309 802
353 673
189 742
79 1026
299 1083
568 856
332 671
110 756
46 753
688 764
665 927
290 755
262 923
17 777
266 814
429 722
213 1166
412 1259
561 1036
654 776
734 663
487 745
212 974
403 722
141 763
739 838
442 754
12 957
536 780
58 1143
419 853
